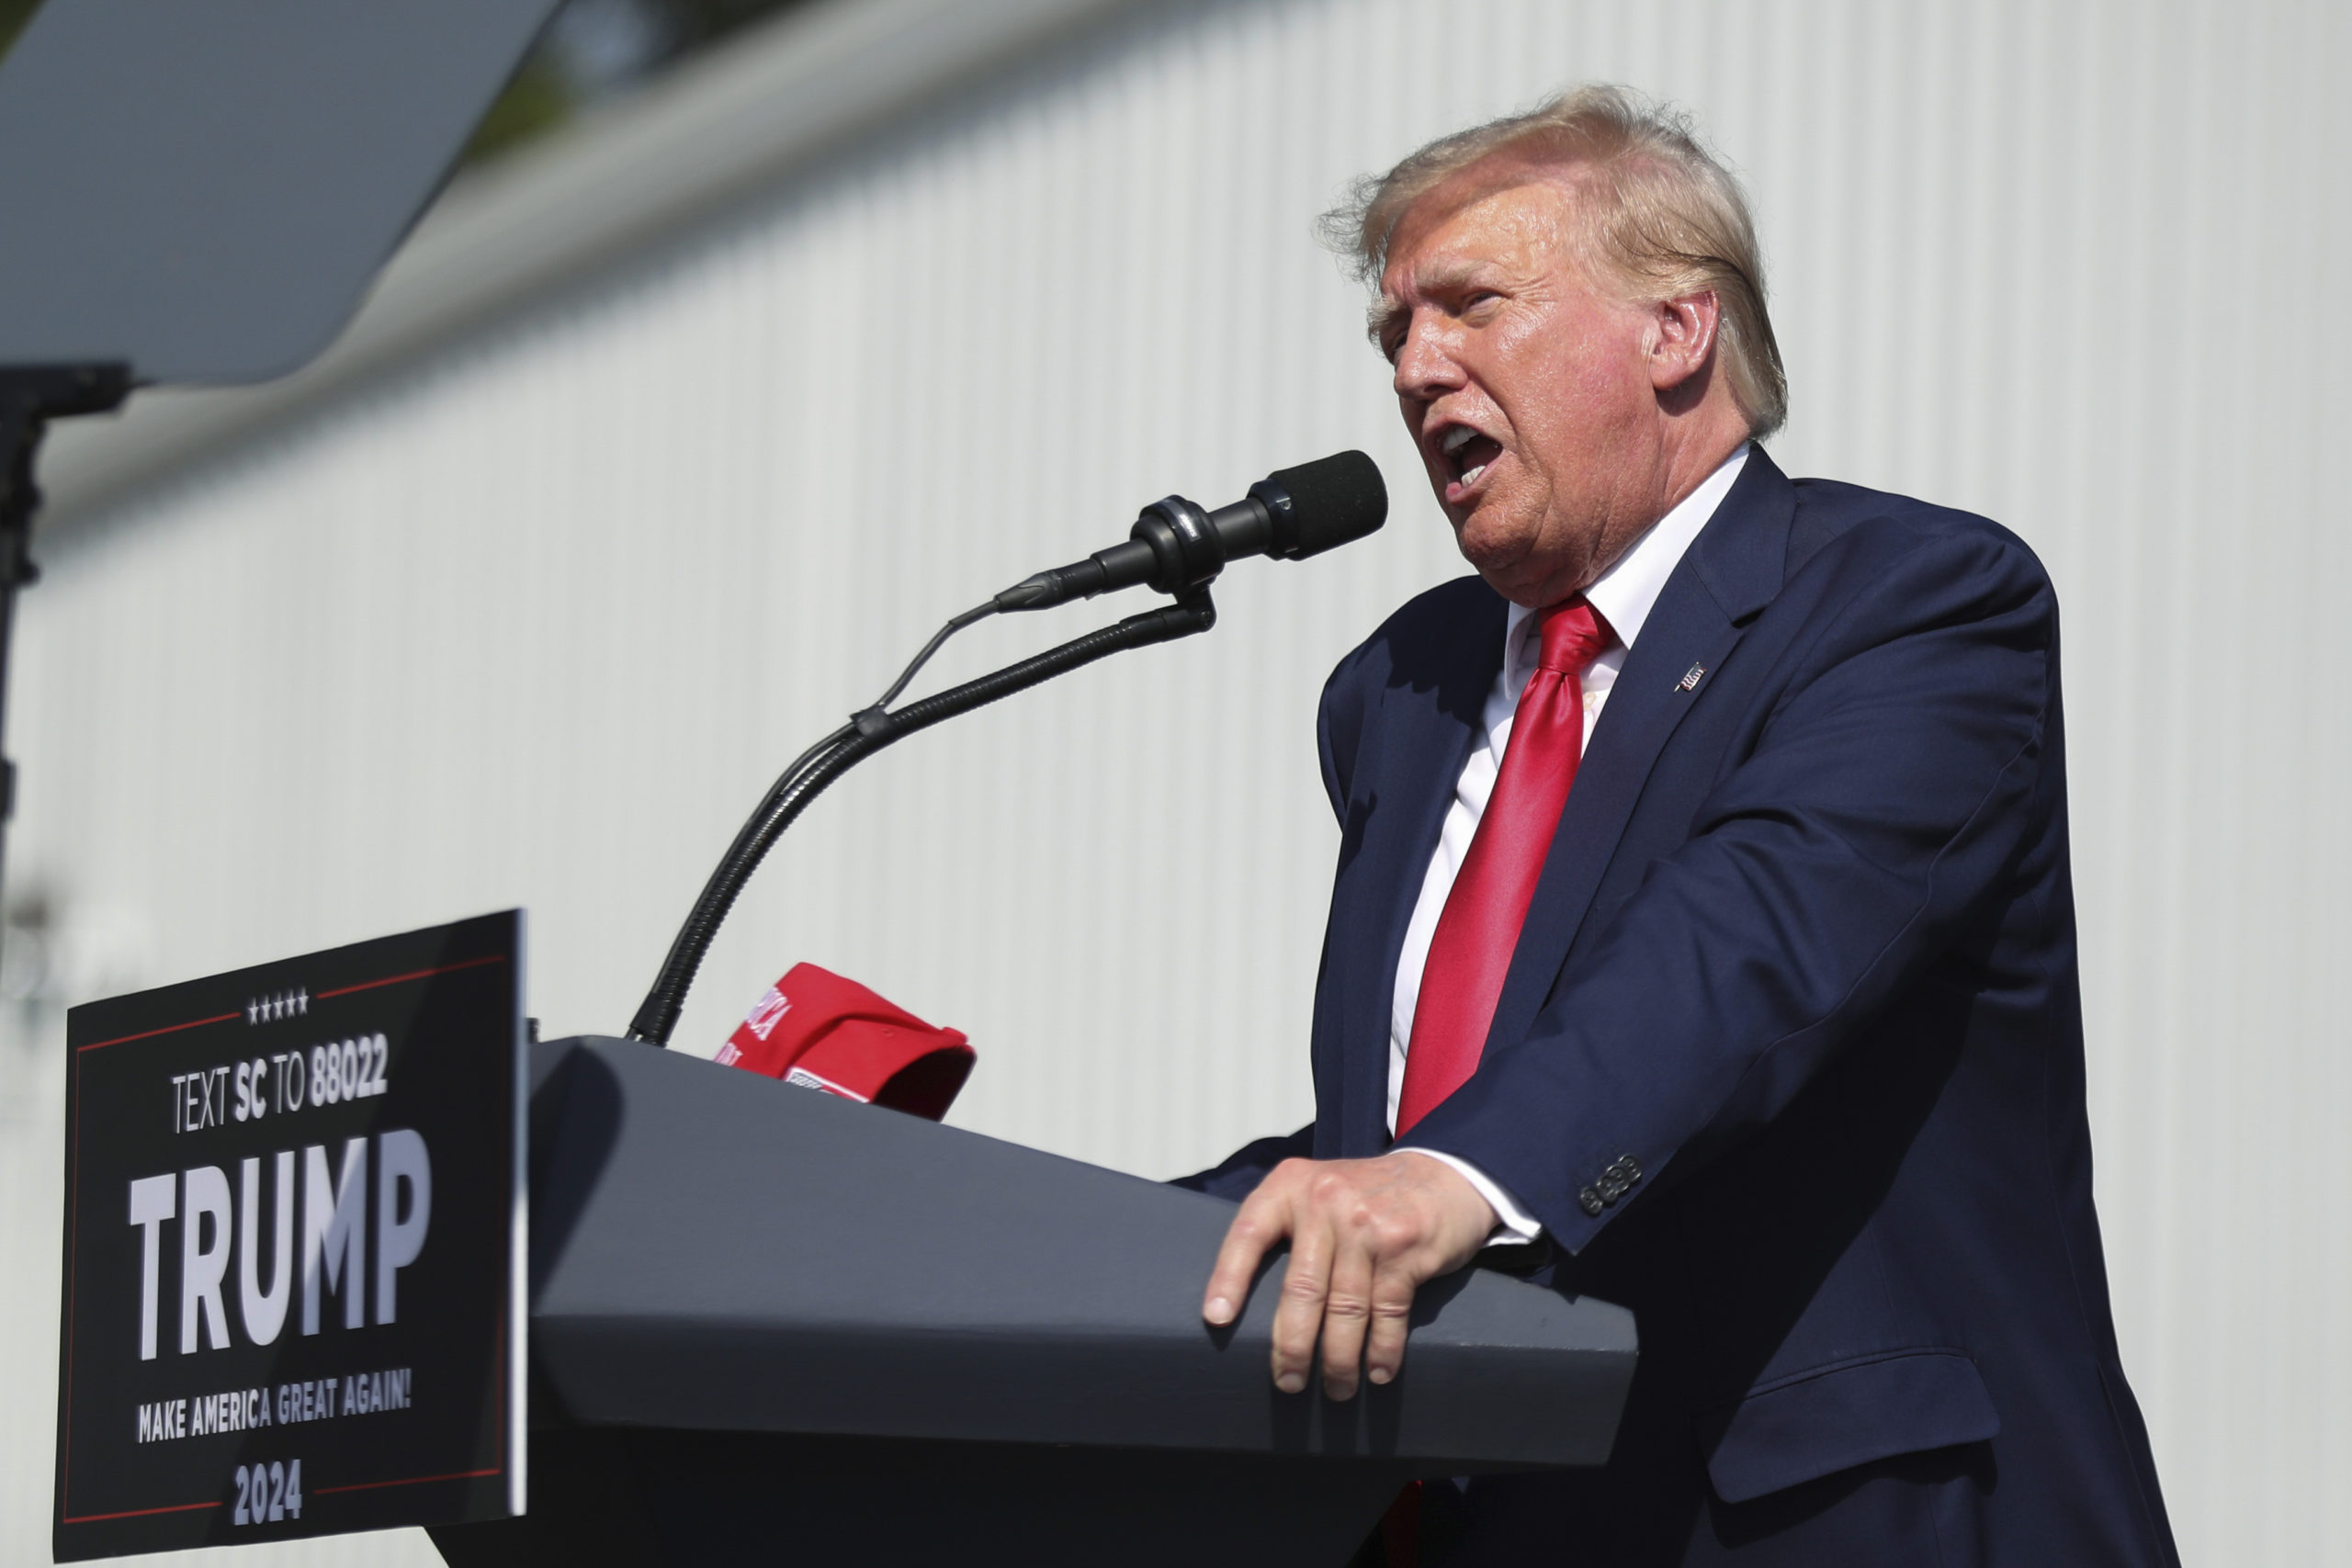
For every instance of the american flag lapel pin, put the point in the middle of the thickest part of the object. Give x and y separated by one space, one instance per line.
1690 678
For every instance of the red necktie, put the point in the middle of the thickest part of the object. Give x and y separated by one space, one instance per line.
1470 953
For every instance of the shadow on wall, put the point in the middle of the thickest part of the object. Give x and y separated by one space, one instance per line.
594 49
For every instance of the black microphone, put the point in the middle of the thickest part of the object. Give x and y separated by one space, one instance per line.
1290 514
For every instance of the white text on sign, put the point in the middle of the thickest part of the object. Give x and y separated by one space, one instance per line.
356 1069
329 1251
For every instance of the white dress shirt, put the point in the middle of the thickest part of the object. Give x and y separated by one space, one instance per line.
1622 595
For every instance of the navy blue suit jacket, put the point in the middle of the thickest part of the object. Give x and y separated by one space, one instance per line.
1804 957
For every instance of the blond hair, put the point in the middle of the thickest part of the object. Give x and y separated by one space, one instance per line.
1663 217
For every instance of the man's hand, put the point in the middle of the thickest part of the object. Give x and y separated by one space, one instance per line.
1364 1235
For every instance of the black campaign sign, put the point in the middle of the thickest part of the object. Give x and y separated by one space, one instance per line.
293 1286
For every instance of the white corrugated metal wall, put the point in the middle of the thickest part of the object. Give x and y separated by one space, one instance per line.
533 622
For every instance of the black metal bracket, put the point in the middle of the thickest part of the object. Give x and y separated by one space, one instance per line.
30 396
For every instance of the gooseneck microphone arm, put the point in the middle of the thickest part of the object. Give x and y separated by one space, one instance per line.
852 744
1175 546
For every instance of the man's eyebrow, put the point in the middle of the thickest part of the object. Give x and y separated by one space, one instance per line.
1446 276
1439 277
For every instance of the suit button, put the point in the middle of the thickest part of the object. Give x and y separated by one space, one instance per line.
1590 1200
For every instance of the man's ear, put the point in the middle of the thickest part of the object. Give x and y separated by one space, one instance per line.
1682 338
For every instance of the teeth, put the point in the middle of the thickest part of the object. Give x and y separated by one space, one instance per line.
1470 476
1456 438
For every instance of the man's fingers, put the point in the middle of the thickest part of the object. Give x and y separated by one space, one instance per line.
1263 1223
1364 1235
1345 1307
1299 1316
1392 1313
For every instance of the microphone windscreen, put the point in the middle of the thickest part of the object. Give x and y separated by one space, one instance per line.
1333 501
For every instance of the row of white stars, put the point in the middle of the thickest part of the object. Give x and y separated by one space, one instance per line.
282 1004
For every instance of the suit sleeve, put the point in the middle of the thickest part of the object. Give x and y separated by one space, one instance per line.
1241 1171
1881 810
1337 725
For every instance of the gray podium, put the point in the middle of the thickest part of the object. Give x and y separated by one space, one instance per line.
768 1326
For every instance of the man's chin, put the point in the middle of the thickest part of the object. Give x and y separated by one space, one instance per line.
1514 582
1523 580
1494 550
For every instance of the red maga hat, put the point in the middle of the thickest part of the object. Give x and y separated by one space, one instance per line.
822 1032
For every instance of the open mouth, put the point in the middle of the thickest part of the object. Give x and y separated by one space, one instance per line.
1467 452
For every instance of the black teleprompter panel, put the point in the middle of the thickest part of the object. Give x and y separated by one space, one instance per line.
205 190
292 1287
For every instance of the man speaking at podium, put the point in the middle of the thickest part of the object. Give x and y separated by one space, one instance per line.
1702 926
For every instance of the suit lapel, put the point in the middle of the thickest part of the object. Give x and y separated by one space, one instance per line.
1732 570
1426 731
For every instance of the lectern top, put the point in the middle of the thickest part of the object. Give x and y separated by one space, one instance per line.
203 190
716 1251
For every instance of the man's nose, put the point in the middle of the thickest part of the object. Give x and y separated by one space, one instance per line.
1424 369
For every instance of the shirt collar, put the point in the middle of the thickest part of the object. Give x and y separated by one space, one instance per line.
1624 593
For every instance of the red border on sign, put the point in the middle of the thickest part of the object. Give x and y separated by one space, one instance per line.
168 1029
412 974
408 1481
137 1513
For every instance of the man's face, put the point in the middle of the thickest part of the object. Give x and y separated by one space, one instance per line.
1527 389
